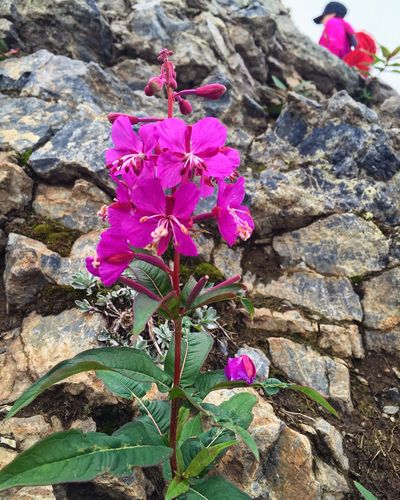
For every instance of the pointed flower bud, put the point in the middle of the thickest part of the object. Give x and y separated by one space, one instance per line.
241 368
212 91
185 107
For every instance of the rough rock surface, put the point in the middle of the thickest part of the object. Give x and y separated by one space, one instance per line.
15 187
74 208
340 245
305 366
41 343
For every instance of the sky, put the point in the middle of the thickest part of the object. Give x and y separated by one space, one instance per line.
381 18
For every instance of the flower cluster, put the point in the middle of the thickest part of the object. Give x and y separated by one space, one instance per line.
161 171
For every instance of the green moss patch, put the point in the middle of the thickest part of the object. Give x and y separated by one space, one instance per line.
56 298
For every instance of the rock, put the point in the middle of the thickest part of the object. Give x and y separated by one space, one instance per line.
6 456
78 148
333 485
69 28
291 321
259 359
228 260
27 123
48 76
29 266
391 109
390 410
205 246
342 341
381 300
27 431
135 486
75 208
29 493
333 440
388 341
42 343
340 244
305 366
88 425
15 187
332 298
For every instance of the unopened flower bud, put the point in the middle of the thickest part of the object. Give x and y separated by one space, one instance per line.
212 91
185 107
148 91
155 84
113 116
172 83
241 368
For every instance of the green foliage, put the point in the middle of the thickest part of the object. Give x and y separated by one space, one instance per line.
153 278
215 488
364 492
143 309
388 60
204 458
26 154
73 455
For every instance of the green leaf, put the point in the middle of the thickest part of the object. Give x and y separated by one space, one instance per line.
75 456
204 458
385 52
206 381
314 395
195 348
215 488
239 409
189 450
143 309
178 392
132 363
183 415
186 290
210 296
122 386
192 428
246 437
278 83
395 52
248 305
364 492
176 487
271 386
152 277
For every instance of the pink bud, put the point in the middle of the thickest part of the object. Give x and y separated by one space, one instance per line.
212 91
185 107
148 91
113 116
155 83
172 83
241 368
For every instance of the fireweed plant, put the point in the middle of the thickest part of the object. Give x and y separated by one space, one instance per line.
161 172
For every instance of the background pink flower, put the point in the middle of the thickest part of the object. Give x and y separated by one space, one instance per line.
241 368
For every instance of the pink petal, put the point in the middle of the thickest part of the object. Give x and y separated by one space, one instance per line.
206 188
184 243
218 166
208 134
173 134
163 244
90 267
139 233
111 242
227 226
110 273
233 155
186 198
149 196
231 194
168 170
123 136
149 135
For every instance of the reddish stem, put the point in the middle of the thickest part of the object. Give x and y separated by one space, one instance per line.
177 368
170 102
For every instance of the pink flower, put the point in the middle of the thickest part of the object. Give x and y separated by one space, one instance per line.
191 151
241 368
159 217
234 219
131 151
113 257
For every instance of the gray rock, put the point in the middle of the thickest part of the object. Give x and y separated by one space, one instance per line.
332 298
42 343
75 208
305 366
69 27
27 123
388 341
391 109
340 244
381 300
29 266
333 485
342 341
15 187
259 359
390 410
228 260
333 440
78 148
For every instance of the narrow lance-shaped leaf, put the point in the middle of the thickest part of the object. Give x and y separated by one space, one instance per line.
153 278
204 458
213 488
176 487
132 363
367 495
75 456
143 309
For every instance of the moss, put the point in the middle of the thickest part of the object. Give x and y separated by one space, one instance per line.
206 268
24 158
55 236
56 298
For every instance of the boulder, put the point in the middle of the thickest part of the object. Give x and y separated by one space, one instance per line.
332 298
28 430
342 245
342 341
381 300
333 440
388 341
69 27
303 365
42 343
15 187
333 484
228 260
75 208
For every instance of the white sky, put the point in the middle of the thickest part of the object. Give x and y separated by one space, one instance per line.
381 18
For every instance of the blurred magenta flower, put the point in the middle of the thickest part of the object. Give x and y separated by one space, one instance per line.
234 219
241 368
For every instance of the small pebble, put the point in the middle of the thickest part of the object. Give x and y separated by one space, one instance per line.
390 410
8 442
